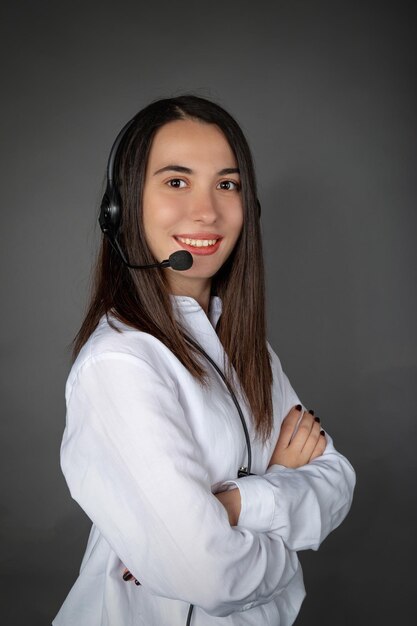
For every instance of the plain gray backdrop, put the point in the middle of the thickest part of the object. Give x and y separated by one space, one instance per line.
325 92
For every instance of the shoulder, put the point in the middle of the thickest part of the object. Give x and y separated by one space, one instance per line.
115 342
112 338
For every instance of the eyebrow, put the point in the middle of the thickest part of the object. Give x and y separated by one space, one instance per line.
187 170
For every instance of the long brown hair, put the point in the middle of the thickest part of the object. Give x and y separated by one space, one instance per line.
141 299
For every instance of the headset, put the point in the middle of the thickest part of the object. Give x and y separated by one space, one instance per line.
109 220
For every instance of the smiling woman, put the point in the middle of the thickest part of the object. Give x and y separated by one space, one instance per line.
185 443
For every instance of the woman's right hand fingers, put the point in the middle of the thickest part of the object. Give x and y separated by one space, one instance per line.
299 439
302 438
307 436
288 427
320 446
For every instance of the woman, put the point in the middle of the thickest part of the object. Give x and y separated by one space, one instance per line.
154 450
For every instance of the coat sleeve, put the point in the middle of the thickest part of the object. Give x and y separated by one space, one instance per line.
303 505
131 462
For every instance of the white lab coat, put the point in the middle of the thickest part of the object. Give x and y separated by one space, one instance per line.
144 449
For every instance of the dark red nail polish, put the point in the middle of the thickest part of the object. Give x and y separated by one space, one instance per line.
298 407
127 576
322 432
311 412
317 419
137 582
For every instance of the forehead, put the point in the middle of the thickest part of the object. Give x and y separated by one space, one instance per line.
184 141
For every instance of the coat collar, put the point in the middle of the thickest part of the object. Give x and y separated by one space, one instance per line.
187 309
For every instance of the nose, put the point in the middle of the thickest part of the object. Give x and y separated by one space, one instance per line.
203 207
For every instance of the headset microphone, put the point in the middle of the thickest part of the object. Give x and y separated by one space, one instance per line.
180 260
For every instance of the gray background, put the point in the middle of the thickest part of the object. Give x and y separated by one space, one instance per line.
325 92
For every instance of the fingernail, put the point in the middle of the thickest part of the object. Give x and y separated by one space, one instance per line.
298 407
311 412
127 576
137 582
322 432
317 419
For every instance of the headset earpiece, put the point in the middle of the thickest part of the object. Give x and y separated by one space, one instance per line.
111 204
110 212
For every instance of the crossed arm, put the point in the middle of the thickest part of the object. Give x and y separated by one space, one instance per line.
295 447
300 441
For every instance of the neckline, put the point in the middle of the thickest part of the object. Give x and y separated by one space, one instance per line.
188 306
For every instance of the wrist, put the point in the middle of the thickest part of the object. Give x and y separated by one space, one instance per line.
231 501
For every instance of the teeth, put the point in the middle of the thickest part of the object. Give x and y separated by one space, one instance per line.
198 243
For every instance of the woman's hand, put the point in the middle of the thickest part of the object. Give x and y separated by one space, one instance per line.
295 450
127 576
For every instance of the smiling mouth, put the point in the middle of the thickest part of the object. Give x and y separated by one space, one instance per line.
197 243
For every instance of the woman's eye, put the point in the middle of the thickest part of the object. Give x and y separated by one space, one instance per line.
178 183
229 185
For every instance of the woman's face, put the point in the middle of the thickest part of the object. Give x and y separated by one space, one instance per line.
192 201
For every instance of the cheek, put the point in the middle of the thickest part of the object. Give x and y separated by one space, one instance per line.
160 214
